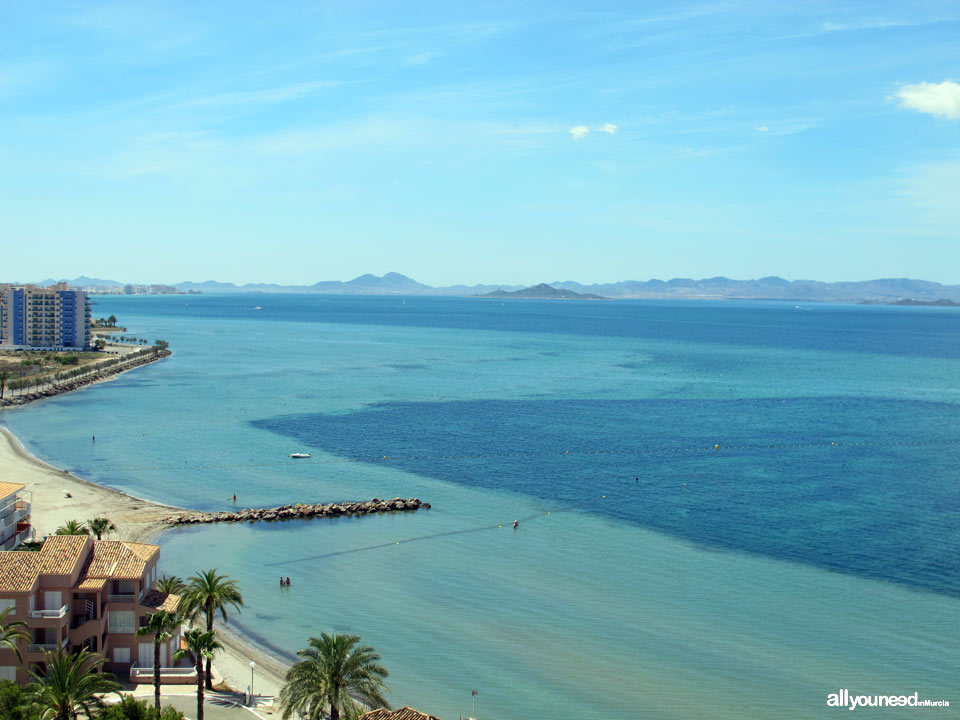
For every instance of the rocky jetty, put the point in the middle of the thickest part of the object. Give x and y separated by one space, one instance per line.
298 511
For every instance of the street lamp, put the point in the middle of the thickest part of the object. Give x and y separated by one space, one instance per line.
252 666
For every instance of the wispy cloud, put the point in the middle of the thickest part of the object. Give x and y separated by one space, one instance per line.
609 128
940 99
762 128
578 132
265 96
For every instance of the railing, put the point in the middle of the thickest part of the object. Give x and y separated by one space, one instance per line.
38 647
147 672
49 613
121 597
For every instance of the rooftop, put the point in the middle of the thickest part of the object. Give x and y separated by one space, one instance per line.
404 713
9 488
61 554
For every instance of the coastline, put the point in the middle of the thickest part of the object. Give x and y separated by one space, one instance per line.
137 520
96 375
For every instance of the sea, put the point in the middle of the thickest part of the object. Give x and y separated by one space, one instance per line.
725 509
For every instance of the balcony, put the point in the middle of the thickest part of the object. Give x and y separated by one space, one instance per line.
168 674
49 614
51 647
121 597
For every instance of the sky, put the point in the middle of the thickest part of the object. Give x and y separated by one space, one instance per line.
480 142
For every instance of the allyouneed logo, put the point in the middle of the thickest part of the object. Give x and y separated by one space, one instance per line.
852 702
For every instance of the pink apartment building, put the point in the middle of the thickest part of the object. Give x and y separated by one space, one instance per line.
79 592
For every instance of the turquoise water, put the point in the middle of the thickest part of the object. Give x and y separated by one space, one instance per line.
651 575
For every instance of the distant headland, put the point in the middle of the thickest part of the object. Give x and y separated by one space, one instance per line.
541 292
882 291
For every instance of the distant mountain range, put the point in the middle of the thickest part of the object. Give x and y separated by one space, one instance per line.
768 288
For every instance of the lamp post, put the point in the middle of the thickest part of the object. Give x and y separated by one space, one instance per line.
252 666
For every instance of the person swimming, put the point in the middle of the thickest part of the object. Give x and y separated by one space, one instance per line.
516 524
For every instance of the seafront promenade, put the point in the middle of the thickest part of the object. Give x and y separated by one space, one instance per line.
93 373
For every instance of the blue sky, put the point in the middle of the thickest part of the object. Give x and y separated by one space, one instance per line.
479 142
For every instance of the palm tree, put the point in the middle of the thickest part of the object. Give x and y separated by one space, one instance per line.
171 584
69 684
335 669
200 645
72 527
4 376
11 633
101 525
161 625
206 593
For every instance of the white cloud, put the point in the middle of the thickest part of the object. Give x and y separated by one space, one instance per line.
609 128
762 128
940 99
579 131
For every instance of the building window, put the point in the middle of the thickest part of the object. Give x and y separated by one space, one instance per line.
5 603
121 621
121 655
8 672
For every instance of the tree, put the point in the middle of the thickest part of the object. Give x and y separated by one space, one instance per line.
200 645
11 633
70 684
4 376
16 701
161 626
334 670
112 321
72 527
100 526
171 584
206 593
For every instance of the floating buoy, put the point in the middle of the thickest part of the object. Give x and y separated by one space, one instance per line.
716 447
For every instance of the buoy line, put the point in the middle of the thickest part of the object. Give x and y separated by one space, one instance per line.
715 449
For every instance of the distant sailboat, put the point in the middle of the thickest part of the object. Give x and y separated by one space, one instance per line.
258 308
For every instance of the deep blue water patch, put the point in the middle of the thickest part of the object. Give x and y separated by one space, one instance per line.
862 486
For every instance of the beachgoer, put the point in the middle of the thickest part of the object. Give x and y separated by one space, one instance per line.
288 581
234 497
93 439
516 523
281 582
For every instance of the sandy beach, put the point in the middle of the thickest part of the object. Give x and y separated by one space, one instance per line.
136 520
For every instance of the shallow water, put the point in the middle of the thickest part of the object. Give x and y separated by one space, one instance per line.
651 576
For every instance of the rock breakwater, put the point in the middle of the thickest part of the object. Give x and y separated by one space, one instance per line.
298 511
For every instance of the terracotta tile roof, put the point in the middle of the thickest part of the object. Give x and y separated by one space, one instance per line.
18 570
404 713
119 560
9 488
89 584
60 554
160 601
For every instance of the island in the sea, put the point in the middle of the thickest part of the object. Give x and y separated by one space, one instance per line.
542 292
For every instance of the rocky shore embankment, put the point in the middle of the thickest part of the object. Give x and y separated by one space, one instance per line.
298 511
84 380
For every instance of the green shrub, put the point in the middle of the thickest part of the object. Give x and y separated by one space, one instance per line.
130 708
16 702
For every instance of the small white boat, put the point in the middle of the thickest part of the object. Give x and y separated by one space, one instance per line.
299 455
258 307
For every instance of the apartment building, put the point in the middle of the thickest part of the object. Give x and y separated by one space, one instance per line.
38 318
79 592
14 515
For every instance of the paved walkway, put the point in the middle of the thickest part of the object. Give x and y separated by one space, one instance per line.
218 706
